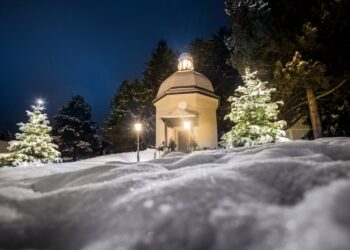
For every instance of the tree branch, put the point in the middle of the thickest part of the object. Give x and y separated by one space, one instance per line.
319 96
332 90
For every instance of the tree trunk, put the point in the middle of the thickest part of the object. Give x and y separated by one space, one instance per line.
314 114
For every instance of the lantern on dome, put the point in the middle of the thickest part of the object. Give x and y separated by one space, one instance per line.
185 62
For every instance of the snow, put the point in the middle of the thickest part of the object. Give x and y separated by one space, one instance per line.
288 196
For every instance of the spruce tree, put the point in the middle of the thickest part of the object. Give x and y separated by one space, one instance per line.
133 103
34 143
127 106
210 58
263 33
161 65
75 132
254 115
5 135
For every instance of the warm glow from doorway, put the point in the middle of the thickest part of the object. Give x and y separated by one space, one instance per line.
187 125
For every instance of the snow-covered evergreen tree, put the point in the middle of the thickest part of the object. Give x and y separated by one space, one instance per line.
254 115
34 143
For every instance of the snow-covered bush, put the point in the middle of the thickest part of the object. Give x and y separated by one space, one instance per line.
34 144
254 115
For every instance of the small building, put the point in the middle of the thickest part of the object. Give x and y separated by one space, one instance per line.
186 109
298 130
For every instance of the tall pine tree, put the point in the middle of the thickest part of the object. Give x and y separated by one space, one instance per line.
133 103
127 106
5 135
75 131
161 65
210 58
309 76
34 143
267 31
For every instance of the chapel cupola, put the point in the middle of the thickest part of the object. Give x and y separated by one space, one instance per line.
185 62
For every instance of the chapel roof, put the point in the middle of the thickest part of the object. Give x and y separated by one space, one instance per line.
185 80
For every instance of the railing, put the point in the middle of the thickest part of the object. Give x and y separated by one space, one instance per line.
161 147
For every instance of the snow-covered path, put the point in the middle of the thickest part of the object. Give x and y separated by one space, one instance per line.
290 196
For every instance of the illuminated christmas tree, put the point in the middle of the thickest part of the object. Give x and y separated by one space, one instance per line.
34 143
254 115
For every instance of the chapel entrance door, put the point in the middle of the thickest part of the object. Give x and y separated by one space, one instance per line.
183 141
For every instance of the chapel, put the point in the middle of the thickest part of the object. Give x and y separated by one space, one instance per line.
186 109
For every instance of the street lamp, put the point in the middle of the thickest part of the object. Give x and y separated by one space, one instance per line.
138 127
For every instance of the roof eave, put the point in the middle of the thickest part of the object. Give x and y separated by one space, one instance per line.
193 89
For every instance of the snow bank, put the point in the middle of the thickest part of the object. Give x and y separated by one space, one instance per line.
290 196
48 169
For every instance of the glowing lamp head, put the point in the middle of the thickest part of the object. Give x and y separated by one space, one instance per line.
138 127
40 101
187 125
185 62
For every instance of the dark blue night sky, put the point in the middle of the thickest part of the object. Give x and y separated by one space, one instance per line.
57 49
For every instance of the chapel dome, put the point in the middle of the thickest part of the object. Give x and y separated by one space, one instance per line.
185 80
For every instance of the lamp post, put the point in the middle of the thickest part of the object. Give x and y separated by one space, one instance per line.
187 126
138 127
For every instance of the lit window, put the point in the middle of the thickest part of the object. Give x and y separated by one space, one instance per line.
185 62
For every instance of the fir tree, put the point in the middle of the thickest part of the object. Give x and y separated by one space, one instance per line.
335 112
5 135
133 103
34 143
127 106
254 115
75 131
210 58
267 31
161 65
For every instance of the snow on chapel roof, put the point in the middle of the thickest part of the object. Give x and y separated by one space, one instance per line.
185 80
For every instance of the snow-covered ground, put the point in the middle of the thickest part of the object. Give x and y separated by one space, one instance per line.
290 196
